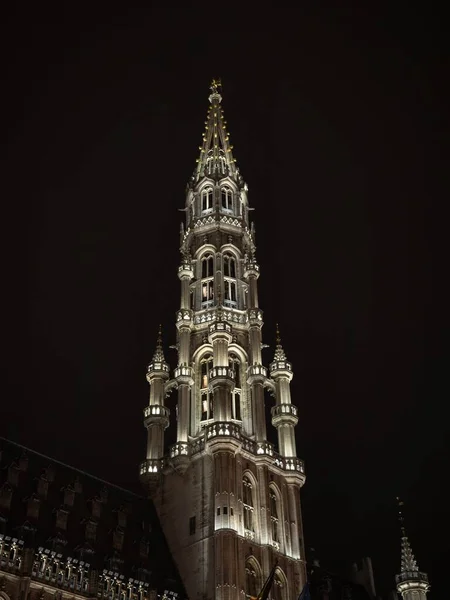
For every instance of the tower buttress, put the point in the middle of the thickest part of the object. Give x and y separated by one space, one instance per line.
284 413
411 583
156 415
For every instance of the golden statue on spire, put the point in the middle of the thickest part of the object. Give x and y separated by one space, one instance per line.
215 85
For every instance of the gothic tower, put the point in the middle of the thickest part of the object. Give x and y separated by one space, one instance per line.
411 583
228 502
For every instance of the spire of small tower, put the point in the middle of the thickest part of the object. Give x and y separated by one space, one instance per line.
279 352
216 157
408 563
410 578
158 356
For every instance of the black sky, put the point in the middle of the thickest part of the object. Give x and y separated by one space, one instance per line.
339 121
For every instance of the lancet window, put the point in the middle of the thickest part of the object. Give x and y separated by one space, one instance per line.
252 578
248 506
207 281
274 517
278 591
206 397
207 198
235 364
226 195
229 280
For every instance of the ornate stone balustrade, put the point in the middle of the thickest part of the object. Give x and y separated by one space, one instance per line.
221 375
290 464
154 368
61 572
184 315
255 316
156 410
186 270
259 449
232 316
184 375
283 409
256 373
223 429
413 576
151 466
179 449
220 327
280 365
264 448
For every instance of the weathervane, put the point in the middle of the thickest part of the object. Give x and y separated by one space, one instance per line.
215 85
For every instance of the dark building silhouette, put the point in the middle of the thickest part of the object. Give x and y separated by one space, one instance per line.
65 533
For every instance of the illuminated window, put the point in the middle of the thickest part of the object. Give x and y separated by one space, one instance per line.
206 396
207 281
207 200
248 504
274 517
226 199
237 391
229 280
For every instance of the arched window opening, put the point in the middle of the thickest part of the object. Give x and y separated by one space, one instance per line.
274 517
207 200
207 282
236 394
206 397
248 506
278 591
230 284
229 266
252 578
227 199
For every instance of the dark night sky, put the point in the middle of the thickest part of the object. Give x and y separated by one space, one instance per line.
338 121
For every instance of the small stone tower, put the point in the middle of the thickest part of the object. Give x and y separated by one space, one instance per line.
229 503
411 583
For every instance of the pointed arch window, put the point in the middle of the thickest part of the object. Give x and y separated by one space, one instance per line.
235 364
252 578
207 282
206 397
248 506
274 517
229 280
226 196
207 197
278 591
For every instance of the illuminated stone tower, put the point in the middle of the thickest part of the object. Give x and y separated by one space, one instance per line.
228 502
411 583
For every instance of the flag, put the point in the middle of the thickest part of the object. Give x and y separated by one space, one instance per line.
264 593
304 594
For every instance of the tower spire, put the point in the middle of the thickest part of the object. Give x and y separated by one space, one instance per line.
216 157
279 352
158 356
411 583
